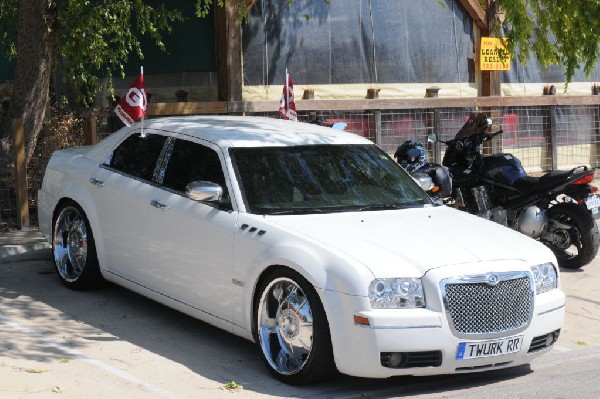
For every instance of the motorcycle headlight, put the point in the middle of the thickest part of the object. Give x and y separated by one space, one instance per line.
545 277
395 293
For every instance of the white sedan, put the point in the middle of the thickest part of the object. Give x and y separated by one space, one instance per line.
309 241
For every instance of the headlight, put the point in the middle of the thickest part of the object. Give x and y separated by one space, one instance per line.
545 277
394 293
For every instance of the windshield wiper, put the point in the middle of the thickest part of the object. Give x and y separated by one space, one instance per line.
305 211
376 207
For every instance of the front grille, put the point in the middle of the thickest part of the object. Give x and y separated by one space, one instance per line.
475 305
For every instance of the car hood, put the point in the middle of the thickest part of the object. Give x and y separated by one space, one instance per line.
413 241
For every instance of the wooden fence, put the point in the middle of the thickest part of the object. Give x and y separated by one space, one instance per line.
387 122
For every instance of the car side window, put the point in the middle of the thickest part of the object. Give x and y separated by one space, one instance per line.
192 162
137 155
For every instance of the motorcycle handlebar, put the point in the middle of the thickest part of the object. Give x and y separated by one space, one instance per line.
492 135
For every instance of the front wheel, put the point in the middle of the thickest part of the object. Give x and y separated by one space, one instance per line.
291 329
74 249
573 235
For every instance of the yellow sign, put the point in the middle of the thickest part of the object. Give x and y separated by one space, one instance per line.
493 56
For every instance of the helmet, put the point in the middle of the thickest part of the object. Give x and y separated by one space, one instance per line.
532 221
411 155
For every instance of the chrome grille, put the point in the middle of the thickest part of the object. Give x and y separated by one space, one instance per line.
489 304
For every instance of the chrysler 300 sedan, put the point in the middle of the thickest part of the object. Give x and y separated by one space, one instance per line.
309 241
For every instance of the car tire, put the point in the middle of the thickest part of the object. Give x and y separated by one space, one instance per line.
291 329
74 249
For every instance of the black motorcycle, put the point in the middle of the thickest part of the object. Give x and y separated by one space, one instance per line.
557 208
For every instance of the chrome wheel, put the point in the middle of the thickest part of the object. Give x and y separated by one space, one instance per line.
285 326
70 244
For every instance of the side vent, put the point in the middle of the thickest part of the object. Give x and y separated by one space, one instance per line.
252 229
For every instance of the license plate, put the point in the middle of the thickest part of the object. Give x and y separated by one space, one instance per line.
496 347
592 202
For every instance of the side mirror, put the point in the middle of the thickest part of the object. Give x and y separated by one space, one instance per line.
204 191
425 181
432 137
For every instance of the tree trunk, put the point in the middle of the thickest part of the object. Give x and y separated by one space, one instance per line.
35 43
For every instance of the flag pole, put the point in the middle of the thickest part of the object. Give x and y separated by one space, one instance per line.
142 132
287 91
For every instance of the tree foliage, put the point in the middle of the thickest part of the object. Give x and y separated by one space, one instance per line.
106 34
565 32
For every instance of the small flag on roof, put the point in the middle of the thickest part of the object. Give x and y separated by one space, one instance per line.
132 106
287 109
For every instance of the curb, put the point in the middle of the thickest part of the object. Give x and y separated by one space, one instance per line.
25 252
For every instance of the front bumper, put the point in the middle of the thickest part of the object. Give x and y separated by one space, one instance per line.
358 349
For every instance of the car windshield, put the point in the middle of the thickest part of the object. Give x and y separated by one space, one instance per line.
323 178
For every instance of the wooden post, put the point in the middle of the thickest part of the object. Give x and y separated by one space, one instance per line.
308 94
553 140
595 161
377 120
21 174
89 131
432 92
372 94
490 80
437 128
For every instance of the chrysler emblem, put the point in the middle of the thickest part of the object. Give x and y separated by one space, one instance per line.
492 280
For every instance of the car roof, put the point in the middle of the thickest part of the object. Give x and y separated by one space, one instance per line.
251 131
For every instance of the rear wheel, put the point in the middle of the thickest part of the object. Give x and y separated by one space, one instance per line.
291 329
74 249
575 236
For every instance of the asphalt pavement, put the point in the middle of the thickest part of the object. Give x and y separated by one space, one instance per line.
111 342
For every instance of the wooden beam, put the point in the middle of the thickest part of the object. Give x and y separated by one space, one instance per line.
476 12
414 103
188 108
222 107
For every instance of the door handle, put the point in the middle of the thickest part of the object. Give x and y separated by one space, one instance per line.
159 205
96 182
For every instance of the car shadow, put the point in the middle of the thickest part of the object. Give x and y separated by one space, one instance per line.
114 313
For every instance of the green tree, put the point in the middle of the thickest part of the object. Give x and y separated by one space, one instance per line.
564 32
86 39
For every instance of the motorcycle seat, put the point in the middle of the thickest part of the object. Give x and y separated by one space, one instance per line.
530 184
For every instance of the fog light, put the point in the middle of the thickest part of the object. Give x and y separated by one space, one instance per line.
552 337
397 359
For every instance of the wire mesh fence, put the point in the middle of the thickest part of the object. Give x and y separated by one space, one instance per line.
526 136
542 137
577 135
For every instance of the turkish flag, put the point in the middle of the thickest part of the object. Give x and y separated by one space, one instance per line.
287 109
132 107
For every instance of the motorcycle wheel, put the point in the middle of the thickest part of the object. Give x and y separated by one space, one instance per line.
577 245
